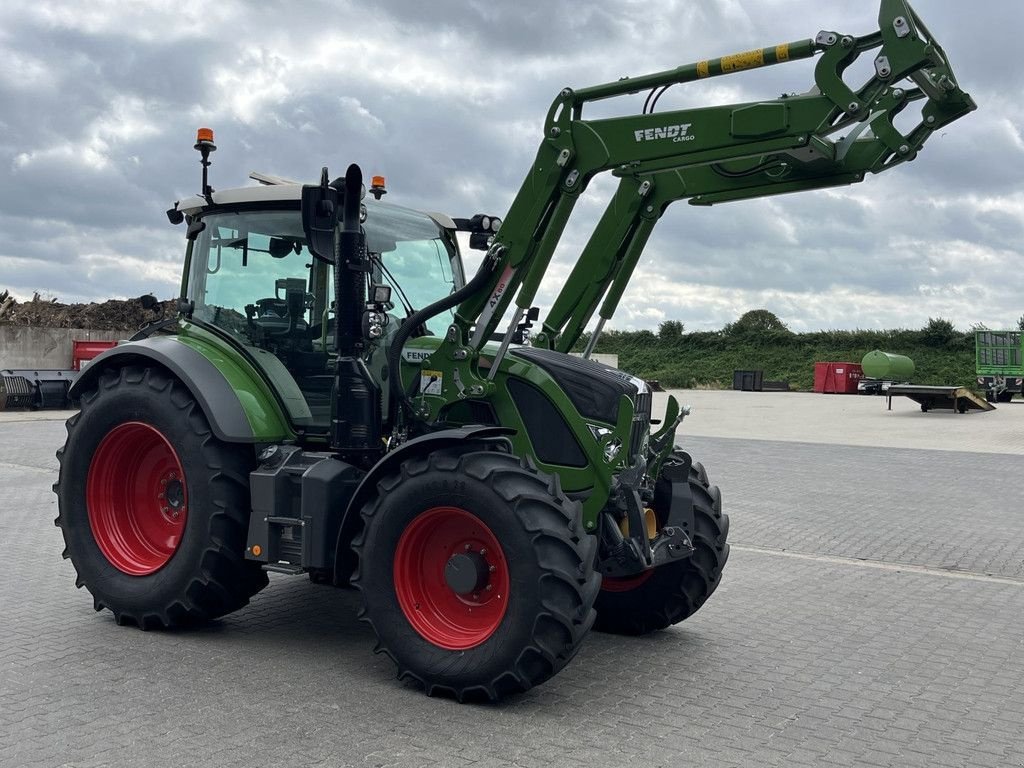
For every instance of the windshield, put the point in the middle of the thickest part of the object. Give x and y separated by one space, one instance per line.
247 265
413 260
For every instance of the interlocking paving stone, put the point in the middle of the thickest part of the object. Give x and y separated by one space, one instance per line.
795 661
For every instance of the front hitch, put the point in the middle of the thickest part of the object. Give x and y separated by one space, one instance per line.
632 553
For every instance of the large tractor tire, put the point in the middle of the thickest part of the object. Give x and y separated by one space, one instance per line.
475 573
153 508
671 593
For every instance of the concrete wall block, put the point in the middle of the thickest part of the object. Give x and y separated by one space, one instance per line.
34 347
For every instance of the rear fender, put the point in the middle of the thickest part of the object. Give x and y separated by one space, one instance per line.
236 402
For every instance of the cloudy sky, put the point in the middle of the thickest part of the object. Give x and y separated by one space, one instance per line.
99 103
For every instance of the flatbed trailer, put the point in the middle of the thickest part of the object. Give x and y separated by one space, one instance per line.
959 399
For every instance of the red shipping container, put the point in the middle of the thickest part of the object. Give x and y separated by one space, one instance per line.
837 378
83 351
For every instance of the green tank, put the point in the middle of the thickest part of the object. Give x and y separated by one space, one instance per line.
887 366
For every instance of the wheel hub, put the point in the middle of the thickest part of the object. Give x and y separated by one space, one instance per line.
172 496
466 573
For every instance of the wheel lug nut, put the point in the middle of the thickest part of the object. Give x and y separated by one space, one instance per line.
483 552
492 569
467 547
160 495
490 587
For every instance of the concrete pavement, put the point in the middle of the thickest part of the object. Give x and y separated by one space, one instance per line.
869 615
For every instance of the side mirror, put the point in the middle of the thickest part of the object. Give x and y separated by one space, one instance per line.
321 206
194 229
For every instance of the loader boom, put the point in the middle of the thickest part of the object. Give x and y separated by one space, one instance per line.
832 135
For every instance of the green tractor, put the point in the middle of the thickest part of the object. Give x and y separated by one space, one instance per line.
334 397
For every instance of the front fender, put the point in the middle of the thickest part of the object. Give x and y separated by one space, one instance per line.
236 402
350 525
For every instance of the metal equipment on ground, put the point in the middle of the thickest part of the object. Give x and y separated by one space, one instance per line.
329 400
959 399
836 378
883 369
48 388
999 363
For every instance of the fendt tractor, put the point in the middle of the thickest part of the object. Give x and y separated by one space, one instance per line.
334 397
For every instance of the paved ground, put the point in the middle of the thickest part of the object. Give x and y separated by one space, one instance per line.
870 615
850 420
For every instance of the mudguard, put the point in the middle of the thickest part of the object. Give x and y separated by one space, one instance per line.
258 420
344 562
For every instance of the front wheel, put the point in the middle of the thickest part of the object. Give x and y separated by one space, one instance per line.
475 573
673 592
153 508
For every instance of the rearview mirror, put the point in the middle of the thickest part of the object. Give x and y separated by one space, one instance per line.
281 247
321 206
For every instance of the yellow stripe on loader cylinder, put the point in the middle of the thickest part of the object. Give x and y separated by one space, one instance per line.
745 60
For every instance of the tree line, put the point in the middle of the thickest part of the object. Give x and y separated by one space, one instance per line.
759 340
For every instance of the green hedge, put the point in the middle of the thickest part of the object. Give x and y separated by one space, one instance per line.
941 354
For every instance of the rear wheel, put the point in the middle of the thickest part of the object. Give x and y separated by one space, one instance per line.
153 508
671 593
475 573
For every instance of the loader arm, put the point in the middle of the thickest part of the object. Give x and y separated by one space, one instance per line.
831 135
606 263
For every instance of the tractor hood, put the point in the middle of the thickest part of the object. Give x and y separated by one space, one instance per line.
593 388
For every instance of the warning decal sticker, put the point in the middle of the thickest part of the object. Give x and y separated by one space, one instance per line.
745 60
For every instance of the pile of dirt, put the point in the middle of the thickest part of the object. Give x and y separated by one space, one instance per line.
112 315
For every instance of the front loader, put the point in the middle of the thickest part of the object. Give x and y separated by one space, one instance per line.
334 396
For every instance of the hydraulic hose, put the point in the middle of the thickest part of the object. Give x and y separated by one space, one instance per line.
416 319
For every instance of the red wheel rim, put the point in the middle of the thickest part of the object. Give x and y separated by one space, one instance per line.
136 497
625 583
436 611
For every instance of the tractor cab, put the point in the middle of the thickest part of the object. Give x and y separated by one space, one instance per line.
251 278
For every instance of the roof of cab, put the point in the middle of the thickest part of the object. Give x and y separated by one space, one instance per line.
267 193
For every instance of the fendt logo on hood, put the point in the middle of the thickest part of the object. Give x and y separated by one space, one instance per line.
677 132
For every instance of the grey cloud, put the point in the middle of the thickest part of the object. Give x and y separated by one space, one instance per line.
447 146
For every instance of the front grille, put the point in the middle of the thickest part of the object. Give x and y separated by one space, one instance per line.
641 422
